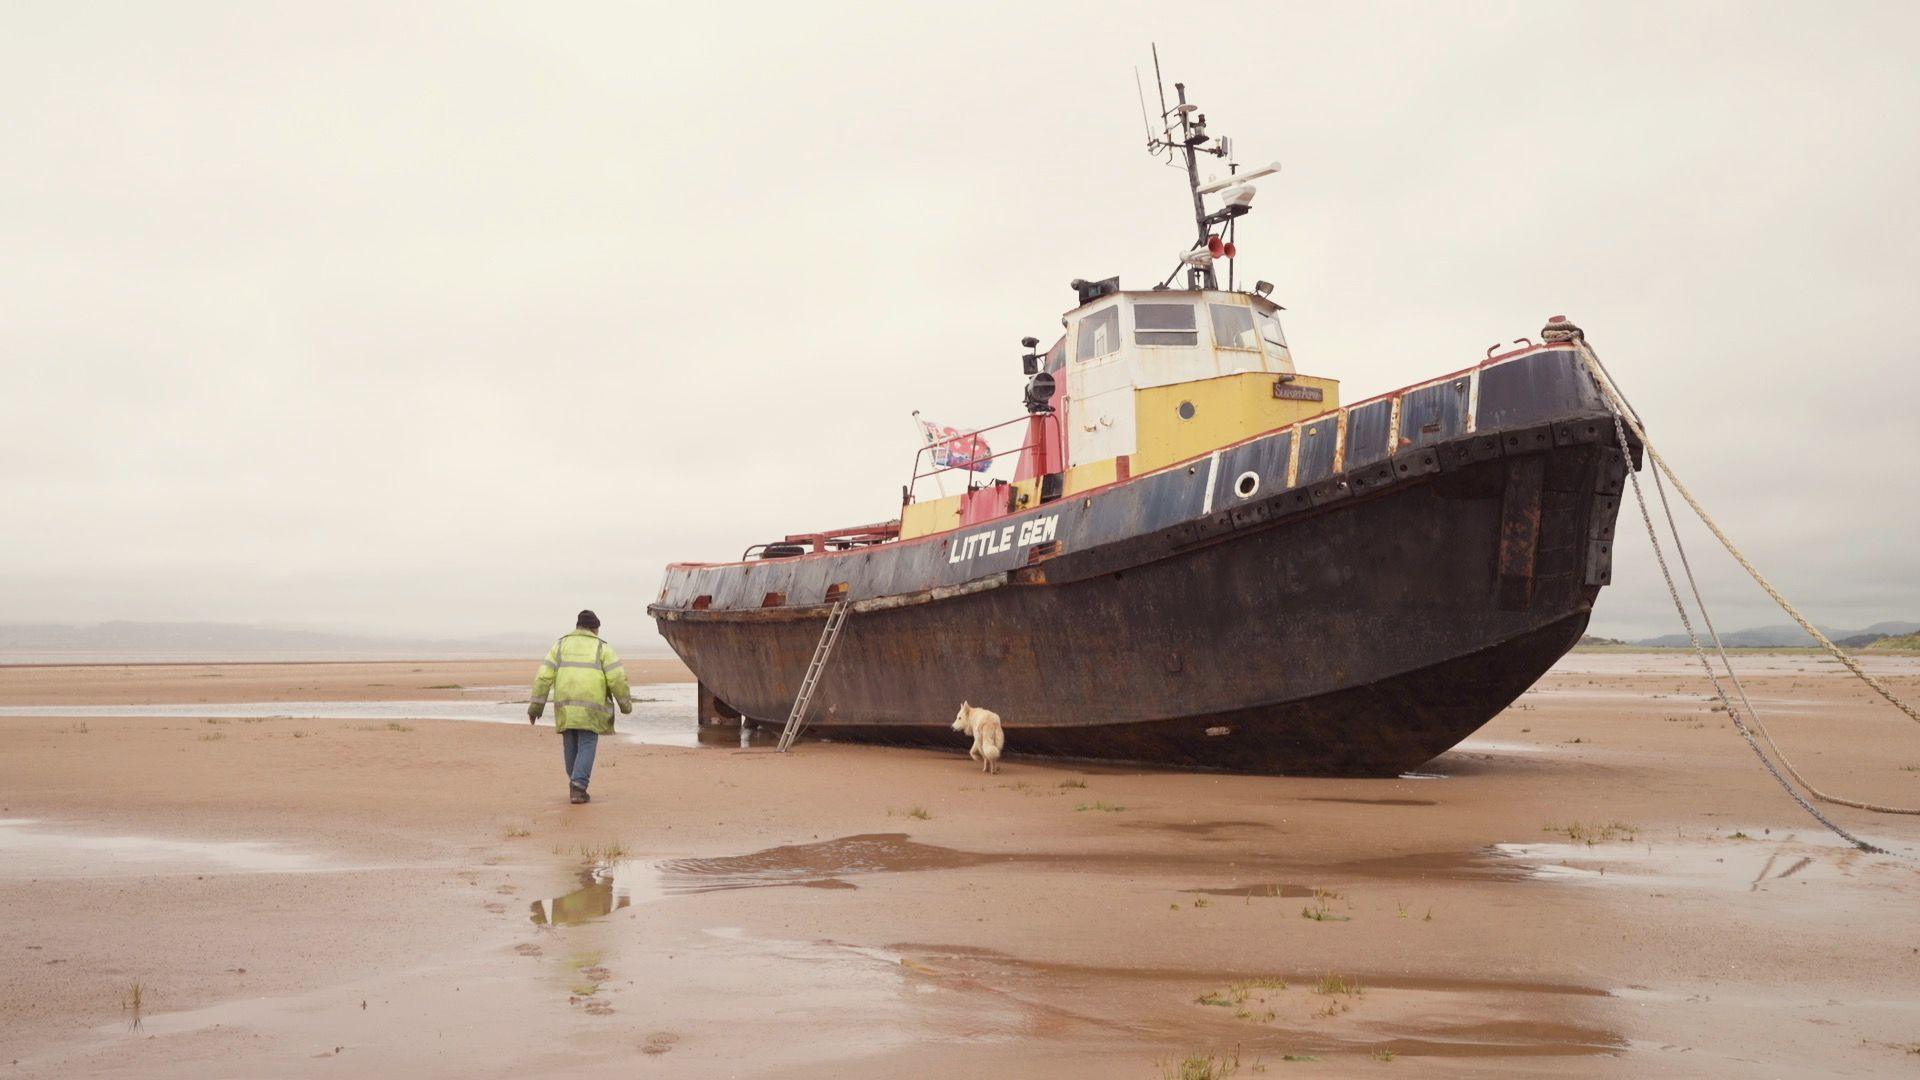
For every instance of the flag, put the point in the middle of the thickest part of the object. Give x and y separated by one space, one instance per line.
955 449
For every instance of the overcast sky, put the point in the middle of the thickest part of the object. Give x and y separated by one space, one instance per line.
455 319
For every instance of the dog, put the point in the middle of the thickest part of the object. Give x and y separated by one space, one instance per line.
988 738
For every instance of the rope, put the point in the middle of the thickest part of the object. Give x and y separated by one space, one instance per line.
1623 414
1760 579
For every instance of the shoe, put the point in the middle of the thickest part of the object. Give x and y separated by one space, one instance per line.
577 794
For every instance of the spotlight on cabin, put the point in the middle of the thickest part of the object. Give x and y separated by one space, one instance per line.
1030 363
1263 288
1040 393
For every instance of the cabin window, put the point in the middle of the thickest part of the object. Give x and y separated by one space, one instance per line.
1099 334
1164 324
1233 327
1270 330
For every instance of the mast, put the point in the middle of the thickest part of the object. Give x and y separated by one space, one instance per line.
1191 136
1184 147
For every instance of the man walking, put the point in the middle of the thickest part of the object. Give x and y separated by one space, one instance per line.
586 679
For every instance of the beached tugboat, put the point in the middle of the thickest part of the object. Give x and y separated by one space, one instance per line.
1200 557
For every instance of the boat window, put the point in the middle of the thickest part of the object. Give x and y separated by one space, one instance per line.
1270 329
1164 324
1233 327
1099 334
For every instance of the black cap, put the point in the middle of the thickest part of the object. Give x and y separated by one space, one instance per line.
589 620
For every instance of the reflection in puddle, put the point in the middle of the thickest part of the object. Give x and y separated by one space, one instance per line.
42 853
603 890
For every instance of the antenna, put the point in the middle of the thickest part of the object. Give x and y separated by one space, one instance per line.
1184 147
1143 106
1161 85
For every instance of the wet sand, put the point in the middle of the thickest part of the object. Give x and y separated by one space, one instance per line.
1601 882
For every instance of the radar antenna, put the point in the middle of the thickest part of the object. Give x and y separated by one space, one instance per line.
1183 134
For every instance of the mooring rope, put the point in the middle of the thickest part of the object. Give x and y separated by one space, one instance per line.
1623 415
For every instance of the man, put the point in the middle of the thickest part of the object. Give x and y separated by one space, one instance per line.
586 678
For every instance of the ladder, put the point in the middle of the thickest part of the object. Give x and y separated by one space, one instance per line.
797 719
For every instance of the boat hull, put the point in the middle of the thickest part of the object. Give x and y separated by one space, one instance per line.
1355 629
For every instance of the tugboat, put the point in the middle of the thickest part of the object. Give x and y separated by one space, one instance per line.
1201 558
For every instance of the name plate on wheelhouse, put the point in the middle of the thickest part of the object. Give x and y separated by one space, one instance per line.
1298 393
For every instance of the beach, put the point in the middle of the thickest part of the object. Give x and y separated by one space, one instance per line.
1602 881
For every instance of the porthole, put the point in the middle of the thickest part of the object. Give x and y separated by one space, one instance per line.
1248 484
1186 410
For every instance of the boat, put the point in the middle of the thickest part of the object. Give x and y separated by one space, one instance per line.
1202 557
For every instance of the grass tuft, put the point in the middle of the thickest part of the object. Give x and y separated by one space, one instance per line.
1203 1067
212 736
1111 808
1321 910
611 851
1593 834
1331 984
1073 783
921 813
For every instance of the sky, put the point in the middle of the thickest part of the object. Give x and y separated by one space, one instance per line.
453 319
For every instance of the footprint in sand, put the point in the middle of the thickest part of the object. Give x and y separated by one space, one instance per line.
659 1042
494 907
507 890
527 948
599 1008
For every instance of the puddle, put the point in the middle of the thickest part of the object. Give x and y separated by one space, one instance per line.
28 852
812 864
1368 802
607 887
1734 865
663 713
1259 891
604 889
1400 1014
1495 746
1202 829
1423 776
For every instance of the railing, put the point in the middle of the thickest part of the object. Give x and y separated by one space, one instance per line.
992 458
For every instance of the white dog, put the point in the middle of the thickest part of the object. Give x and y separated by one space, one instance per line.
988 739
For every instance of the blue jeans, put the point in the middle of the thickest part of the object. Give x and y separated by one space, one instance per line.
579 747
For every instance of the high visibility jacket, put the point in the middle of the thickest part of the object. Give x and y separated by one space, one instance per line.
586 680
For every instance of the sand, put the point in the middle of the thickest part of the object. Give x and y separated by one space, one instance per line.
302 897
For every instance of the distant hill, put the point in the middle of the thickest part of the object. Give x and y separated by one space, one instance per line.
1900 643
1786 637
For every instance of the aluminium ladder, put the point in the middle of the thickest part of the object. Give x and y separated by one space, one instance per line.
797 719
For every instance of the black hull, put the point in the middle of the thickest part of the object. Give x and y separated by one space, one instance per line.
1358 630
1382 729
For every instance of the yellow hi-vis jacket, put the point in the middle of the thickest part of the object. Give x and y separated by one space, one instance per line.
585 679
